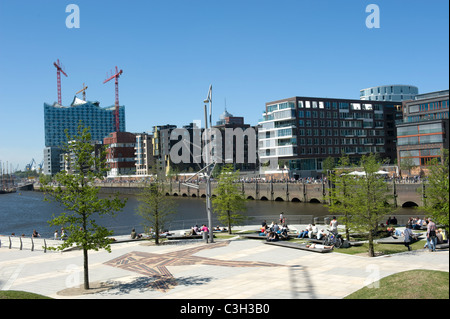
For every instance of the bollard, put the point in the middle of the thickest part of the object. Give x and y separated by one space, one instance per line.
205 236
32 244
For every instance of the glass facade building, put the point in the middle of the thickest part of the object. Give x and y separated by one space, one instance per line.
394 93
304 131
424 129
100 121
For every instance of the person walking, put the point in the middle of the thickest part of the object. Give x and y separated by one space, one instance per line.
431 234
407 233
334 225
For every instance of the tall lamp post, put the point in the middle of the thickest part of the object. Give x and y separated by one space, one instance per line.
209 161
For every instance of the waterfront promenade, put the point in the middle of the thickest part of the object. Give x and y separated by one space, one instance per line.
236 268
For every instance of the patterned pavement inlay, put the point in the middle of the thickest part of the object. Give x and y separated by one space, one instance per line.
155 265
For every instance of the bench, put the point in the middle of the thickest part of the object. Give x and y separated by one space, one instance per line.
299 246
400 240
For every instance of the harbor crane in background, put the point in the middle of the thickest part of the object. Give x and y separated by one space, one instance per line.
84 92
59 70
29 166
116 111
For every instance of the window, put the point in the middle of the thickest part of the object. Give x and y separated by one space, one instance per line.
343 105
430 128
407 130
430 139
413 140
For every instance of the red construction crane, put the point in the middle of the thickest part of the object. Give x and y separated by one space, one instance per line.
58 77
116 112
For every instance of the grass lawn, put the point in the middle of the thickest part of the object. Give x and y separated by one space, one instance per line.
381 249
13 294
413 284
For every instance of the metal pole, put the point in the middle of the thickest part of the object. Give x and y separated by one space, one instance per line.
209 170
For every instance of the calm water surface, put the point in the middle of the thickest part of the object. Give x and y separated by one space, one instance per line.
24 211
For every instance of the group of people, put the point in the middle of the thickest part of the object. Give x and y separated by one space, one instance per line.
62 236
35 234
199 230
434 235
313 232
275 232
417 223
392 221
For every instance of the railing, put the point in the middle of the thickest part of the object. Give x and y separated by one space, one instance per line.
27 243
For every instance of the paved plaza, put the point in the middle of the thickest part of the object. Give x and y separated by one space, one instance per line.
237 269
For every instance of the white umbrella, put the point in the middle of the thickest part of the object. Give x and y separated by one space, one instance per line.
382 173
357 173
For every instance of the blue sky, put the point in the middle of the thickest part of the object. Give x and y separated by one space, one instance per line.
170 51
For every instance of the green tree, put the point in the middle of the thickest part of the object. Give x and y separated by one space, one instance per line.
328 164
229 202
407 163
339 198
437 190
79 197
369 198
155 207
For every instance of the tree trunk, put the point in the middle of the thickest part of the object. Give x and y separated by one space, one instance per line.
85 255
229 223
86 269
371 249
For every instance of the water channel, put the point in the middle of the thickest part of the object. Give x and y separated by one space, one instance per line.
24 211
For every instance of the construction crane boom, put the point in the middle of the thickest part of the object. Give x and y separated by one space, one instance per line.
59 70
116 111
84 92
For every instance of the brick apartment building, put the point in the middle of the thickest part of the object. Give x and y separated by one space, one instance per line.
120 153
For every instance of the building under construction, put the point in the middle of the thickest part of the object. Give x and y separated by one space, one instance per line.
58 118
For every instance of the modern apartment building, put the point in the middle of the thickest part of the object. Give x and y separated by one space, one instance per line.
52 163
303 131
144 154
240 148
161 145
424 129
391 93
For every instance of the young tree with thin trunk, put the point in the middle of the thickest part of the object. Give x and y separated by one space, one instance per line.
339 198
155 208
229 202
437 190
369 198
80 198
